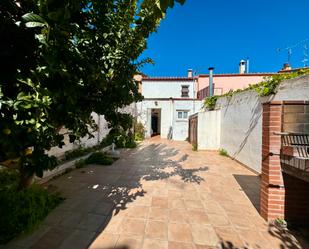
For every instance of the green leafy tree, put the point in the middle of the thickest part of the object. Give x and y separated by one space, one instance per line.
61 61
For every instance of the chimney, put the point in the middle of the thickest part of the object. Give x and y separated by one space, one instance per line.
242 67
211 81
286 67
247 65
190 73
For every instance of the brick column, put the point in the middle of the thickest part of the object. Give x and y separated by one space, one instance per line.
272 186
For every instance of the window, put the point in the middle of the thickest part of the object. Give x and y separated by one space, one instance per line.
184 91
182 115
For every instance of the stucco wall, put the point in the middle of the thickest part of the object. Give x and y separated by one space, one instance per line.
241 128
86 142
241 120
209 130
169 118
166 89
230 82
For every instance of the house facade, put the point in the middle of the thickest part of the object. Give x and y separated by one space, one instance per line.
167 105
223 83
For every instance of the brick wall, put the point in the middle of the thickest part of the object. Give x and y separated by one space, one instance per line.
272 186
283 195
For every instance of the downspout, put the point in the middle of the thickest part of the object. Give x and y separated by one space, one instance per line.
194 93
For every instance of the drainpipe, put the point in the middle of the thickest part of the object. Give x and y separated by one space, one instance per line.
211 82
194 93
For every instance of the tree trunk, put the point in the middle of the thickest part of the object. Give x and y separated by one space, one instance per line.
26 179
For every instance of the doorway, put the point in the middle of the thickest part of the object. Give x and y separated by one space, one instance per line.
155 122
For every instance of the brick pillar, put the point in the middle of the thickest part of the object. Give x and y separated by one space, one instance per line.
272 187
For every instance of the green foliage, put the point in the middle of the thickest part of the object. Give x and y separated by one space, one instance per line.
210 102
8 179
269 85
223 152
194 147
121 133
265 88
21 211
99 158
81 151
139 131
80 164
64 60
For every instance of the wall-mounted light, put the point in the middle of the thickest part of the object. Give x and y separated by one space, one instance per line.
156 103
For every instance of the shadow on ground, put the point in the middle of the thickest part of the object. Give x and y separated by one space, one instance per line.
250 184
286 240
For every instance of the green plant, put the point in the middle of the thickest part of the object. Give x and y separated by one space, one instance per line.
99 158
281 222
74 58
265 88
270 84
80 164
21 211
223 152
139 131
81 151
8 179
210 102
194 147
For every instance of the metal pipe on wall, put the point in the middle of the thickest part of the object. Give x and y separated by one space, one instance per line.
211 81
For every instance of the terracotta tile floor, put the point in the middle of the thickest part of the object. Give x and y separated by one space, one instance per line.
160 195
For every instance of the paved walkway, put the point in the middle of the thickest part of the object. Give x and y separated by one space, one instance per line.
160 195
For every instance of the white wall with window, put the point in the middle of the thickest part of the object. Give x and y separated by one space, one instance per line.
176 99
168 89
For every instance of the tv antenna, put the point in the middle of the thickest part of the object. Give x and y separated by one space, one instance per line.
290 49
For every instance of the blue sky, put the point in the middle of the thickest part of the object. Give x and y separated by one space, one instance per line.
220 33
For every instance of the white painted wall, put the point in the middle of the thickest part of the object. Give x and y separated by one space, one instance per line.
209 130
86 142
169 118
166 89
241 121
241 128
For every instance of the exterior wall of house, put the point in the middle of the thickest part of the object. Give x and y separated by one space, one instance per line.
166 89
224 83
165 94
168 117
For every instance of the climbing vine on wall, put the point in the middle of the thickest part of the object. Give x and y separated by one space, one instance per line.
267 87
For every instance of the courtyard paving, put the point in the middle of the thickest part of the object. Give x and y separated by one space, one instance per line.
159 195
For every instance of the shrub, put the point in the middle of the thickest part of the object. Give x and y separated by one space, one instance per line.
21 211
81 151
120 138
139 131
210 102
80 164
223 152
194 147
99 158
9 179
